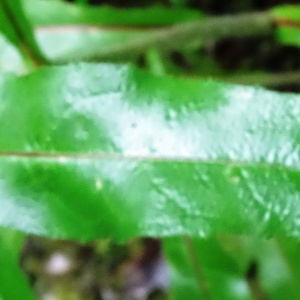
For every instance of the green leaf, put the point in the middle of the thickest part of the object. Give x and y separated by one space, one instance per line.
276 274
66 44
6 27
60 13
221 277
74 32
287 19
13 285
287 12
17 29
288 36
94 150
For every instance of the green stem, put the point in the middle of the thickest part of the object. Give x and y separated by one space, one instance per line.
199 275
181 36
263 79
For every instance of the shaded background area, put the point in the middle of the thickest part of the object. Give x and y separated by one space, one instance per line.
234 56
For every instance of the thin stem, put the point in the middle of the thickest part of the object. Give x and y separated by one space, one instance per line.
180 36
200 278
154 62
263 79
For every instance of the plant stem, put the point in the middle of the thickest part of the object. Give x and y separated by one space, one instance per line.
263 79
180 36
200 278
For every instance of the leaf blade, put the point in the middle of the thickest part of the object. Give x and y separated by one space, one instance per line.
150 155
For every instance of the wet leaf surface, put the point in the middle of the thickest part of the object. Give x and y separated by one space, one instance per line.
96 150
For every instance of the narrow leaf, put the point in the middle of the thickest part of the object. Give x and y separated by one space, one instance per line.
13 284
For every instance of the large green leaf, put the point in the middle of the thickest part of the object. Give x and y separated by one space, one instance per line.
93 150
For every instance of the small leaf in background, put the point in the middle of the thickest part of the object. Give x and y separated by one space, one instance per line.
6 27
60 13
220 277
103 150
287 20
13 283
10 58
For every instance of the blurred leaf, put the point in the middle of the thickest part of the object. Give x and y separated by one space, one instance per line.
179 2
60 13
287 19
106 150
16 28
288 36
6 27
66 44
13 283
221 276
74 32
61 42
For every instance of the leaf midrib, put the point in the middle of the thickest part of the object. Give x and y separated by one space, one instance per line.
152 158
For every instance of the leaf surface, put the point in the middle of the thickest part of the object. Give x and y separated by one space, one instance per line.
94 150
